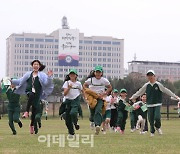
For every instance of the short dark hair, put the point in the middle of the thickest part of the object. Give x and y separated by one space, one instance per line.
42 67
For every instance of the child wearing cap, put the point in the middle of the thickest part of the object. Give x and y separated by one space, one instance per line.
154 90
97 83
140 110
107 115
72 90
122 113
13 108
114 98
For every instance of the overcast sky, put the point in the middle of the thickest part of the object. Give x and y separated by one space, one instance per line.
150 28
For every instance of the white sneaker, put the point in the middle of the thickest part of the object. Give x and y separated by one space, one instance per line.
159 131
70 136
133 130
152 134
141 132
97 130
92 125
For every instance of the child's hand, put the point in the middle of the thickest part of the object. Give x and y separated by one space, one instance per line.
69 86
50 73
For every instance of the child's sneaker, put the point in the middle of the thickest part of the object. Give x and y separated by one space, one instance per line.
77 126
92 125
20 124
31 129
159 131
25 115
97 130
142 132
122 131
133 130
118 129
152 134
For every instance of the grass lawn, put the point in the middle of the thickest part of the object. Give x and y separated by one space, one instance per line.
112 142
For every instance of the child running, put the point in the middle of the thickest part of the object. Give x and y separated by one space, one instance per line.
154 90
114 98
13 108
107 115
122 113
97 83
72 90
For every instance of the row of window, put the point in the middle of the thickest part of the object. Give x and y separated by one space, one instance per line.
99 54
56 40
36 46
36 52
99 59
99 42
27 57
36 39
98 48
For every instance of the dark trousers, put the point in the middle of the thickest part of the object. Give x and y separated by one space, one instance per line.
13 116
133 119
72 107
154 116
122 117
114 115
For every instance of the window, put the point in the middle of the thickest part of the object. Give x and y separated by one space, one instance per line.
49 40
99 48
116 43
36 45
94 53
26 57
26 51
56 52
26 45
109 48
31 45
29 39
87 42
106 42
104 48
80 41
41 52
109 54
80 47
97 42
104 54
41 45
99 53
36 51
109 59
56 40
94 48
99 59
56 46
104 59
31 57
19 39
39 40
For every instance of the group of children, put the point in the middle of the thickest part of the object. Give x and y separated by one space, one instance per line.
108 108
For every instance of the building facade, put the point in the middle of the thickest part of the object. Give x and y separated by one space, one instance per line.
163 70
22 49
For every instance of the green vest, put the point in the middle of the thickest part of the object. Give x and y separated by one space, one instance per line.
13 99
154 94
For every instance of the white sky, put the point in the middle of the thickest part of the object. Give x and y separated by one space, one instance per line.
151 28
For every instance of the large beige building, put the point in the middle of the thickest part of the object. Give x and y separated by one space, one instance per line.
163 70
22 49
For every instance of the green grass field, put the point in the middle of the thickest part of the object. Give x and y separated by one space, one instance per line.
24 142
